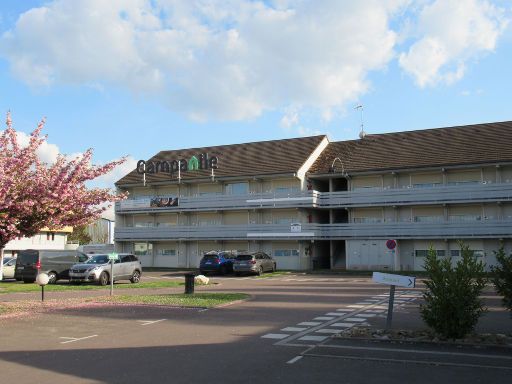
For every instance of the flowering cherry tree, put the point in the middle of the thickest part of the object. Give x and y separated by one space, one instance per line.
36 195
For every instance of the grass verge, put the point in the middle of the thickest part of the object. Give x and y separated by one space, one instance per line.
274 274
204 300
15 287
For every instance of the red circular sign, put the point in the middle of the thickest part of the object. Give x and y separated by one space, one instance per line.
391 244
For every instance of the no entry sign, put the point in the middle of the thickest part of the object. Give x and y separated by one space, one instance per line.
391 244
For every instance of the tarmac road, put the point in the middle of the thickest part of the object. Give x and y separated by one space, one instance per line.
281 335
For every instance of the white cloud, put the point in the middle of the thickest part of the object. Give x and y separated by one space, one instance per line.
453 32
223 60
48 153
108 180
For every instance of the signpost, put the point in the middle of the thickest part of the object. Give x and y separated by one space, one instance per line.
112 257
392 281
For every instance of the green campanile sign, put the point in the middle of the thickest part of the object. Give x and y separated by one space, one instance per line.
200 162
193 164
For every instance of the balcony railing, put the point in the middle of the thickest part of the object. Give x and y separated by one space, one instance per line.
472 193
395 230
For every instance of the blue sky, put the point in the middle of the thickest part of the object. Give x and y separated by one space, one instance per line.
134 77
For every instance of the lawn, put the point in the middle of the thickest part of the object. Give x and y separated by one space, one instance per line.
14 287
203 300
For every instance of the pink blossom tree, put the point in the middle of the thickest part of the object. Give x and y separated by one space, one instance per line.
36 195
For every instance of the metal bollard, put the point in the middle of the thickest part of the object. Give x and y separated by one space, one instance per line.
189 283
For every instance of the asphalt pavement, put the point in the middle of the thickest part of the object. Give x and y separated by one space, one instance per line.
282 334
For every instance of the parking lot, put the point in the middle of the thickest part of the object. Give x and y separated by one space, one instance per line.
283 333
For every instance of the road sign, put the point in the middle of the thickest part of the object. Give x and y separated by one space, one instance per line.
393 281
113 256
391 244
399 280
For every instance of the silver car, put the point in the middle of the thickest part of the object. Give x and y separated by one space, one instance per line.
97 269
257 262
9 265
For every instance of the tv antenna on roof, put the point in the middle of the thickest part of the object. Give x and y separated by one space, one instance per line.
362 133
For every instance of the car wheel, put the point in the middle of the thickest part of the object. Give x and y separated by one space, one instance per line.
237 274
260 271
52 277
135 277
104 280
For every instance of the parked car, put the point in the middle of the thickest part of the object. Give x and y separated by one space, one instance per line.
9 266
217 261
97 269
257 262
55 264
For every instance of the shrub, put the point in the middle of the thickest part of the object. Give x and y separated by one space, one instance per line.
503 277
452 304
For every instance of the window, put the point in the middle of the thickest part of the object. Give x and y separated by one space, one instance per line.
286 190
360 220
50 236
237 189
144 225
476 253
143 249
167 252
426 185
424 252
428 219
284 220
286 252
125 259
464 218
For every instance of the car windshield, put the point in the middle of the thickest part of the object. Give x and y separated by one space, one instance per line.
98 259
210 257
244 257
7 259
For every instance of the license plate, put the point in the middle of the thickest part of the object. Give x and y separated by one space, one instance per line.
21 267
208 262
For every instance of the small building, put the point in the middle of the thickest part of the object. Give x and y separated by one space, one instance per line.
45 239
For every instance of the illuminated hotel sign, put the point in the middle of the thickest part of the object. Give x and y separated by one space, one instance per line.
200 162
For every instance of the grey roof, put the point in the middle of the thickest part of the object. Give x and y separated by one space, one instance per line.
462 145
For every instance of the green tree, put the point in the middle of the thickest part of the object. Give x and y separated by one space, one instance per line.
503 277
452 299
80 235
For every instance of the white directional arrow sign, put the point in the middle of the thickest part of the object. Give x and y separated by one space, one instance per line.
398 280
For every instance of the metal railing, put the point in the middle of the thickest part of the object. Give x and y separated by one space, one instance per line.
473 193
396 230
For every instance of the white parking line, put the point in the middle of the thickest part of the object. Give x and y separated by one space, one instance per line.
354 319
344 325
293 329
278 336
73 339
313 338
310 323
294 360
327 330
365 315
323 318
149 322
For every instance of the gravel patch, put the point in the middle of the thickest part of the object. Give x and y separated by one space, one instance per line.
424 336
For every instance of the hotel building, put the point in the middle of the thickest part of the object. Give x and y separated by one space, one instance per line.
312 203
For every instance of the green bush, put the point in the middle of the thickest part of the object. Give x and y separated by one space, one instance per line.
503 277
452 304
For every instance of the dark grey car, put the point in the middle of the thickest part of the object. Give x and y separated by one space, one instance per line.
97 269
257 262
